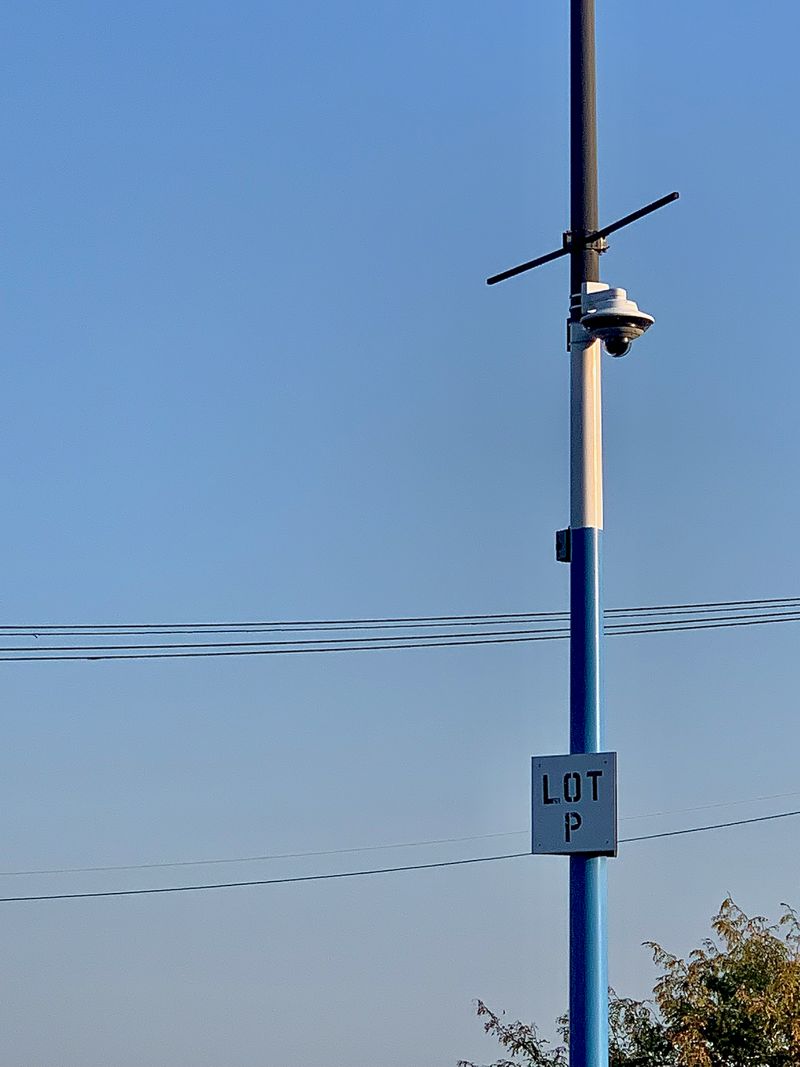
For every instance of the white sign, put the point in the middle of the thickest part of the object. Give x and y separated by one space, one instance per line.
574 804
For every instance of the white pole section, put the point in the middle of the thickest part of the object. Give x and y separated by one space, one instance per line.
586 427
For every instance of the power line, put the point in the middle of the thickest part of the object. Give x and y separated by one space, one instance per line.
264 881
166 654
427 842
716 826
709 807
362 873
162 630
407 621
710 605
626 627
322 641
268 648
264 858
678 625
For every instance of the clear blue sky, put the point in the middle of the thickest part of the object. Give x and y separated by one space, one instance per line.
251 370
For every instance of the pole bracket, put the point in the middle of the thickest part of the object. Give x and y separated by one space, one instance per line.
592 242
595 241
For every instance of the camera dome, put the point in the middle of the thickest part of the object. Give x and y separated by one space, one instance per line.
610 317
617 346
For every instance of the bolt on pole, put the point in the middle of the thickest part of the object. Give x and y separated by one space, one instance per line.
588 952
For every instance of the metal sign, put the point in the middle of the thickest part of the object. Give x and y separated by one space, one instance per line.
574 804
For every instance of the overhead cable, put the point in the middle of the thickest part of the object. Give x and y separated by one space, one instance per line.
201 650
337 875
412 621
425 843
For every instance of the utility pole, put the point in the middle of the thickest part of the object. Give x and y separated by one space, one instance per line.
574 796
588 936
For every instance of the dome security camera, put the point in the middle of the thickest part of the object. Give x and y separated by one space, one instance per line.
610 317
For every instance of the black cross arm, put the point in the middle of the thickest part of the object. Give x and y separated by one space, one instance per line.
589 238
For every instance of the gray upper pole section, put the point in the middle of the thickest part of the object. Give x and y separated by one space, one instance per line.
583 144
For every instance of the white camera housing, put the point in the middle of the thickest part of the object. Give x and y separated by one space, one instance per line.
610 317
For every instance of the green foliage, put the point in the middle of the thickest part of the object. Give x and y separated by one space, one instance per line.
734 1002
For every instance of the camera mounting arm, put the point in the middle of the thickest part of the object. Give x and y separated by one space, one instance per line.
596 239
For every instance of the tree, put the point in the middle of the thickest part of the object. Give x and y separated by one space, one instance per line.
734 1002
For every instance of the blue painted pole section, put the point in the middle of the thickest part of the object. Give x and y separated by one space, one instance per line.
586 620
588 994
588 1015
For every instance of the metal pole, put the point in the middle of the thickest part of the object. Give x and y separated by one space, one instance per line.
588 997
